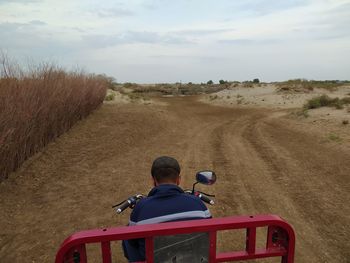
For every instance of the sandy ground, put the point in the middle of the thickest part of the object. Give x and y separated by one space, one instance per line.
266 160
269 95
333 124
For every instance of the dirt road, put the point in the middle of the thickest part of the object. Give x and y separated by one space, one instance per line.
265 164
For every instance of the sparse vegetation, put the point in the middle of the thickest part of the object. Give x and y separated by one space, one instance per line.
334 137
129 85
110 96
248 84
174 89
303 85
40 103
135 96
302 113
345 122
210 82
213 97
326 101
256 81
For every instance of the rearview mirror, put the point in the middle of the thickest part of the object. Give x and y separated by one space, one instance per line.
206 177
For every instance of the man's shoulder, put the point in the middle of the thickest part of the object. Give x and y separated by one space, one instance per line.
179 206
182 198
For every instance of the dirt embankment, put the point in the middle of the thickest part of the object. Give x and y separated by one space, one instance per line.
265 162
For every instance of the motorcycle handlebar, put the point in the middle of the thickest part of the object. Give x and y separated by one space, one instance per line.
206 199
130 202
201 196
123 206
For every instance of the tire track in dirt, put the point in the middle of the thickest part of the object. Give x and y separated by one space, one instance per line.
263 164
306 174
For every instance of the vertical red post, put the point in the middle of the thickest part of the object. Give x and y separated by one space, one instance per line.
149 250
251 240
106 252
212 246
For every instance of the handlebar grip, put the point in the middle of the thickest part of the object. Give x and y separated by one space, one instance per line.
206 199
123 206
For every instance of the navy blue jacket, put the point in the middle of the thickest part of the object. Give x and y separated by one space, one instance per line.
165 202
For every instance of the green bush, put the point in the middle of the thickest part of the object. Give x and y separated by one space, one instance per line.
110 96
299 85
325 101
334 137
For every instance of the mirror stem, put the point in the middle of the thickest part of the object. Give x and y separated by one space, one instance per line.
193 187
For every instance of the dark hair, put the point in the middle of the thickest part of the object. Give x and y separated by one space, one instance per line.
165 175
165 169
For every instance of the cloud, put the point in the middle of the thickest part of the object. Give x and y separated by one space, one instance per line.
132 37
18 1
202 32
113 12
243 41
264 7
25 39
37 23
192 38
325 24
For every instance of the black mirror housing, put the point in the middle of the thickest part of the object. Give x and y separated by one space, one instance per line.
206 177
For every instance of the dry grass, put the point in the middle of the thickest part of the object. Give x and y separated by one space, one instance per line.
174 89
301 85
38 104
325 101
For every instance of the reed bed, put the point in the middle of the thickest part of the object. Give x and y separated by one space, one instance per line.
38 104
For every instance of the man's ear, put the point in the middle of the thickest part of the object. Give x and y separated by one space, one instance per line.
154 181
178 180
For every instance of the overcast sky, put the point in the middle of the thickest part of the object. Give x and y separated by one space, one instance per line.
149 41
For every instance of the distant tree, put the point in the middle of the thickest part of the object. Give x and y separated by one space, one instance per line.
210 82
221 81
112 82
256 81
190 83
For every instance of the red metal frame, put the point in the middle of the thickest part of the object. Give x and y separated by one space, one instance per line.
280 238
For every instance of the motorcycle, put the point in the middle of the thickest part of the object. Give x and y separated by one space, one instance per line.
179 248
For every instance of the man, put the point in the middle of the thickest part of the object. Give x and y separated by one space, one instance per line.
165 202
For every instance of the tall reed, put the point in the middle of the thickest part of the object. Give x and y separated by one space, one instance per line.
39 103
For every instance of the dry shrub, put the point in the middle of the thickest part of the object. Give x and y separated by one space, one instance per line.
39 104
303 85
325 101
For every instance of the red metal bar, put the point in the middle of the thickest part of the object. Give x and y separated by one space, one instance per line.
280 237
212 246
243 255
149 249
106 252
251 240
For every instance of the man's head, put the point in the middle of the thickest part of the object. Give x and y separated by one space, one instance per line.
165 170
